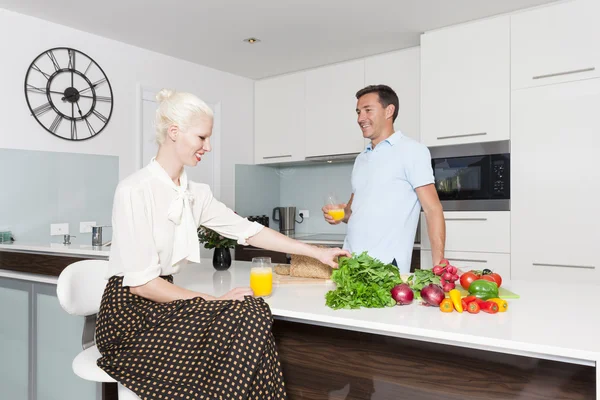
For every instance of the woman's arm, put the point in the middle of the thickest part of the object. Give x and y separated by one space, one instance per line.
271 240
161 291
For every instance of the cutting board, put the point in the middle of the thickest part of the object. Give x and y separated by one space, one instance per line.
295 280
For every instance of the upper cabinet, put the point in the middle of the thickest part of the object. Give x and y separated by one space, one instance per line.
555 43
331 127
400 70
465 83
279 119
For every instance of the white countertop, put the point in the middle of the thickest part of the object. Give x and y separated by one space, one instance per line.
57 249
549 321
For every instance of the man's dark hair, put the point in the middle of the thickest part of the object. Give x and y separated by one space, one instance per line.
386 95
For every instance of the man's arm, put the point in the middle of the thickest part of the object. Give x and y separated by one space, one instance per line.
436 225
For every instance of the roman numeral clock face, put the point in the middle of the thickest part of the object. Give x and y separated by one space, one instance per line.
68 94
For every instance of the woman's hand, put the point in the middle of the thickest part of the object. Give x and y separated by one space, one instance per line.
328 255
237 294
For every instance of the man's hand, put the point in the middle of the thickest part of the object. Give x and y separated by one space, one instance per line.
329 218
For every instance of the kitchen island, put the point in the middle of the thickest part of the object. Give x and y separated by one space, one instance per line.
545 346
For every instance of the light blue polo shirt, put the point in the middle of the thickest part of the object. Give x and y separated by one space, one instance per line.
385 208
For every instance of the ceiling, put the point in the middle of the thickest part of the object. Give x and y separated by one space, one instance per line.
295 34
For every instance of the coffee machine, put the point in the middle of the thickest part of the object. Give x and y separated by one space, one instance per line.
286 216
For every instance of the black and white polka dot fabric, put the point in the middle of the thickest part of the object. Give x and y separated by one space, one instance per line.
188 349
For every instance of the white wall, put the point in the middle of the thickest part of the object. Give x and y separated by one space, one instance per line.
22 38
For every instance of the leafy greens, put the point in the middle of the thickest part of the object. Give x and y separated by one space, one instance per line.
363 281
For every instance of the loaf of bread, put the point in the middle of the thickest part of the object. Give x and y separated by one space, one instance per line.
308 267
282 269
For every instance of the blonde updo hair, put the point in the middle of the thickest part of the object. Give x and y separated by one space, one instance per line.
177 108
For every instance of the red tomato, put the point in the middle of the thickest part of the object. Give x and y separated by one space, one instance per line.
467 278
492 278
497 277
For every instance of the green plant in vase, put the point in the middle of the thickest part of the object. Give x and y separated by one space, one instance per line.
213 240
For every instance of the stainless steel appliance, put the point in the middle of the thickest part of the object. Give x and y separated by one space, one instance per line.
286 216
473 183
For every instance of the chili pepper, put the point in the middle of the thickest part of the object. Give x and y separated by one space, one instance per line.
463 303
473 307
502 304
469 299
446 305
490 307
484 289
455 297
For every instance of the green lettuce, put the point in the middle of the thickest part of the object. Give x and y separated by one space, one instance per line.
362 281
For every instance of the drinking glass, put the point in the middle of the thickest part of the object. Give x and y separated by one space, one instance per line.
333 207
261 276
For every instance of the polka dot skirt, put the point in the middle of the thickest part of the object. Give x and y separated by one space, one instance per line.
188 349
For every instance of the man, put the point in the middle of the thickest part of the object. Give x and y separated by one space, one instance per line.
391 180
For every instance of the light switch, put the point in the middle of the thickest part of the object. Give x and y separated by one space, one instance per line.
59 229
86 227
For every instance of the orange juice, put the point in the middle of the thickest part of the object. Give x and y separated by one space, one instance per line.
261 281
337 214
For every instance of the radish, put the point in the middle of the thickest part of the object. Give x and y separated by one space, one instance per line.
447 276
438 270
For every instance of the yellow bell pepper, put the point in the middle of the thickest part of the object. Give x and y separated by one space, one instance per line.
455 297
502 304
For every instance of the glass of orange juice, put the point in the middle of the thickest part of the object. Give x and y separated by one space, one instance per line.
261 276
334 208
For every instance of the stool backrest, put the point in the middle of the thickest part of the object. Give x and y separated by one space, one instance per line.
81 285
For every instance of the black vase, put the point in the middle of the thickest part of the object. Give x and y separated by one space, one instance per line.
222 259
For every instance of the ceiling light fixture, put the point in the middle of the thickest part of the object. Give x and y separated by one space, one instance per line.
252 40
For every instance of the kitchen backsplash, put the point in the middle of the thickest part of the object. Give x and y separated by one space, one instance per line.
41 188
258 189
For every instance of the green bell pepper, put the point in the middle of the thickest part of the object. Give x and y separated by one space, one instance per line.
483 289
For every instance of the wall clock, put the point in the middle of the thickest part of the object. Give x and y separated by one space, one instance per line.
68 94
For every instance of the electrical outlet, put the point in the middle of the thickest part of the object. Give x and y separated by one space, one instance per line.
59 229
305 213
86 227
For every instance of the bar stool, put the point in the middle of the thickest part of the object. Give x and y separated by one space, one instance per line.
79 291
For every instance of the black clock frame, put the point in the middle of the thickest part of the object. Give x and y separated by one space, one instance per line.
68 93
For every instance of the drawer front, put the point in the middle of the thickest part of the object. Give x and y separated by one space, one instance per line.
487 232
556 265
466 261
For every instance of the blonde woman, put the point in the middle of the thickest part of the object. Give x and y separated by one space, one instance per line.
162 341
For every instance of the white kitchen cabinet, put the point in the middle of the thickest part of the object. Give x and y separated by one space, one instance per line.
473 231
465 83
556 43
554 188
466 261
401 71
331 122
280 120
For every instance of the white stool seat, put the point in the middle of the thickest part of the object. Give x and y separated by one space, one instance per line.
85 367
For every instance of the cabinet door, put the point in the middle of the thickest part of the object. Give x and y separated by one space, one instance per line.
401 71
465 83
556 43
331 126
555 175
14 339
279 133
57 342
482 231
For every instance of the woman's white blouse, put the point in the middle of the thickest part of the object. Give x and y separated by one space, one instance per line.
155 224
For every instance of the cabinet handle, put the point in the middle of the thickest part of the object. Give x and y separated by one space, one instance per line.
284 156
465 135
564 266
466 260
575 71
466 219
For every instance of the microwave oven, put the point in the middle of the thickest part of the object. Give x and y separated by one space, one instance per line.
473 183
